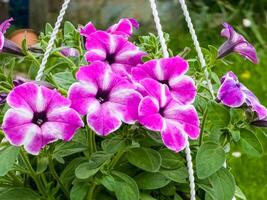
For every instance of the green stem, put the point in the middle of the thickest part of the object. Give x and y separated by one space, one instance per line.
91 140
34 59
32 173
90 195
56 177
203 126
4 89
69 61
116 158
15 179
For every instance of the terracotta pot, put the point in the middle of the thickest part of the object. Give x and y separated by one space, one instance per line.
19 35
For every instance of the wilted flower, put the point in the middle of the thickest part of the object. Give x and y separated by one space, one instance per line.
171 72
236 43
70 52
115 50
232 93
160 112
106 98
38 116
124 28
3 97
3 28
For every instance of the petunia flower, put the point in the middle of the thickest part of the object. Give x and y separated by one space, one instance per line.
232 93
115 50
171 72
69 52
158 111
106 98
3 28
124 28
38 116
236 43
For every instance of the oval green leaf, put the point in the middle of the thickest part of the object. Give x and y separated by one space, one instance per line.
210 158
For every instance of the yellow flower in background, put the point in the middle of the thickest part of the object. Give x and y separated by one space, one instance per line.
246 75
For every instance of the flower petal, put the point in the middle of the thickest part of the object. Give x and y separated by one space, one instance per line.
103 120
125 100
157 90
183 89
124 27
184 115
247 50
2 41
88 29
82 95
5 25
230 93
148 114
173 136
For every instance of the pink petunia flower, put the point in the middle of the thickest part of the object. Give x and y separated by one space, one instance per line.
124 28
106 98
115 50
171 72
236 43
234 94
38 116
158 111
3 28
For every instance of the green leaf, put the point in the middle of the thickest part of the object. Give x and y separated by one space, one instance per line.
176 175
250 144
145 158
124 186
170 159
223 185
88 169
144 196
19 193
68 28
239 193
64 79
78 191
48 29
113 145
210 158
218 114
235 135
151 181
8 157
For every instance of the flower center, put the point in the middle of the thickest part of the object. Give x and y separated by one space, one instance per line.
161 111
110 58
102 96
39 118
166 82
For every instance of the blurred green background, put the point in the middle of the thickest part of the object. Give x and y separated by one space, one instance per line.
248 17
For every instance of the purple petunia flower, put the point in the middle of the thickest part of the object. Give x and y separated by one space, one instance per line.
3 28
115 50
69 52
38 116
171 72
232 93
124 28
106 98
158 111
236 43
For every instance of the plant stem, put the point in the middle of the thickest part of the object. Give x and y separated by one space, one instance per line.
56 177
91 140
203 125
116 158
32 173
15 179
69 61
33 58
90 195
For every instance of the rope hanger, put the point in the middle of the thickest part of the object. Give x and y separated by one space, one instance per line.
165 54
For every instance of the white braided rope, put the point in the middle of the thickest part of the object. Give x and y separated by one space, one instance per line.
166 55
190 172
159 28
52 40
196 44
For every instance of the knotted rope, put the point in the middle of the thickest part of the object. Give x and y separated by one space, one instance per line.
166 55
52 40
